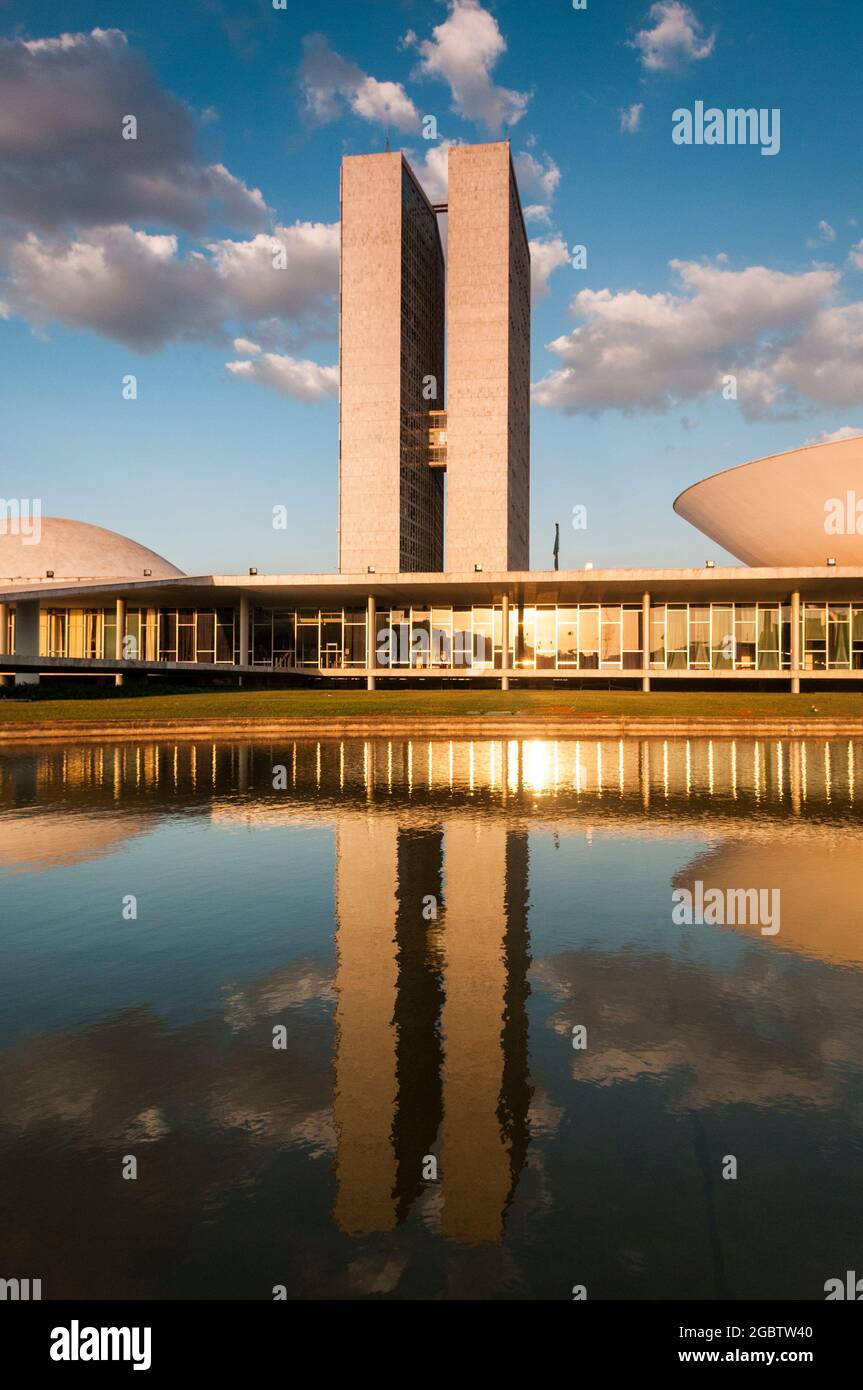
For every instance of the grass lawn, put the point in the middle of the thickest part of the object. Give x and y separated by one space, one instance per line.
197 704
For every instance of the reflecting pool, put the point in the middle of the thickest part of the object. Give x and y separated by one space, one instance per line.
415 1020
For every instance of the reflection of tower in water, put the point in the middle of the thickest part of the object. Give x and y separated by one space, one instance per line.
486 1092
431 1053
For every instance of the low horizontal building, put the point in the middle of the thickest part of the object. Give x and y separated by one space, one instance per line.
622 626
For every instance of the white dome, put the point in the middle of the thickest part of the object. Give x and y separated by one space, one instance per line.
75 551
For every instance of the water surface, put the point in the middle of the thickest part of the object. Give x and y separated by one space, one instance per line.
420 926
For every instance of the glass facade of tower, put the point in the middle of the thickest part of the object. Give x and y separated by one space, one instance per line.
421 490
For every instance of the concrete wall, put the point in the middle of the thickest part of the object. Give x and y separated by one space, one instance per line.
488 366
370 362
391 339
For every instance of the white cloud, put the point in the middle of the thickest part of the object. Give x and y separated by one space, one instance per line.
246 348
463 52
301 293
138 289
302 380
538 180
433 170
535 212
547 254
855 255
674 40
126 285
833 436
825 233
784 336
630 118
63 158
330 81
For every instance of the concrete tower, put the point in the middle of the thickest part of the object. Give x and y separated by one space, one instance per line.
392 306
488 364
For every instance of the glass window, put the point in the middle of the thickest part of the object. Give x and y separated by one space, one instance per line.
839 636
785 612
632 630
133 634
483 635
546 623
307 643
722 637
225 634
167 635
206 637
56 636
399 638
815 637
284 638
331 641
857 638
588 639
186 642
610 636
355 644
461 637
768 637
815 622
676 637
441 636
745 637
526 651
567 637
109 633
421 640
657 635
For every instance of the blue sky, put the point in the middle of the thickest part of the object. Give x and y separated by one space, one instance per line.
153 258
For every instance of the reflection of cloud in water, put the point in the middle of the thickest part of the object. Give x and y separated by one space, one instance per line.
201 1105
294 985
31 841
128 1074
756 1032
821 882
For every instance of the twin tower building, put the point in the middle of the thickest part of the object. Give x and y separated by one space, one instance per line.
434 352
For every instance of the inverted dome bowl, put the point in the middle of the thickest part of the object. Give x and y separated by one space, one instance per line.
797 508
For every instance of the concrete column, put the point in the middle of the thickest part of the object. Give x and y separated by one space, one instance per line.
645 642
371 640
121 633
244 631
27 638
504 636
795 642
4 638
